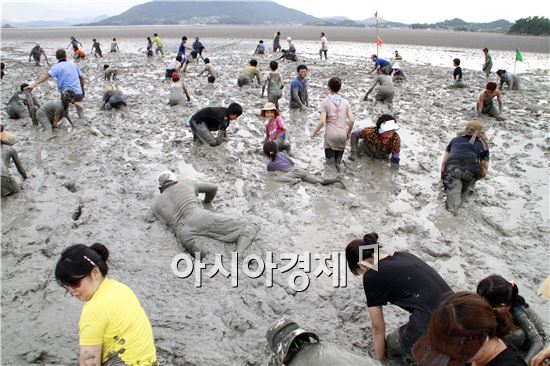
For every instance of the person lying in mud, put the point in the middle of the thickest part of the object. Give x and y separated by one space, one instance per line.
248 74
486 104
529 337
457 75
287 55
18 106
280 162
275 130
379 142
293 346
213 119
380 65
466 160
209 70
9 185
509 79
386 91
402 279
179 208
112 98
51 113
114 328
109 73
36 53
177 91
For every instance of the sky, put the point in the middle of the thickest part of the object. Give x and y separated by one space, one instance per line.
404 11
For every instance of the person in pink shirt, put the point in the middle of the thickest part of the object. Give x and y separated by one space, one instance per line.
275 130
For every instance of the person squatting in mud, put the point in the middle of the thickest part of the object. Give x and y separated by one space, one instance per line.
379 142
18 106
179 208
9 153
210 71
52 112
113 98
486 104
248 73
177 91
213 119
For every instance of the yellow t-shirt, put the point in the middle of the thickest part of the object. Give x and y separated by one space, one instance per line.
114 318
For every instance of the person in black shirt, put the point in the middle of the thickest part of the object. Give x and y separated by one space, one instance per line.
457 75
466 160
465 329
401 279
213 119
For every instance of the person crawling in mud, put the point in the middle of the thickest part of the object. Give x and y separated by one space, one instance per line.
213 119
248 73
51 113
486 104
18 105
179 208
287 55
386 91
379 142
466 160
9 185
280 162
112 98
506 77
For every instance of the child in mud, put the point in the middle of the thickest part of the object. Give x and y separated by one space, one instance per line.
109 73
174 67
337 116
509 79
274 84
248 74
260 48
18 105
159 46
197 49
466 160
114 328
149 51
112 98
96 49
79 53
488 64
114 46
213 119
51 113
279 162
402 279
8 184
379 142
36 53
457 75
503 296
386 90
486 104
275 129
286 55
183 46
177 91
209 70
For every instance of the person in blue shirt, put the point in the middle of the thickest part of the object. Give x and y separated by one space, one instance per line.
181 50
68 77
466 160
298 89
260 48
379 64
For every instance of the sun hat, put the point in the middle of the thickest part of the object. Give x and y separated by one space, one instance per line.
280 337
166 177
269 107
388 126
288 39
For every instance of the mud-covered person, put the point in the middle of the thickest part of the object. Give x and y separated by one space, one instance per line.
179 208
36 53
506 77
277 42
466 160
260 48
397 74
380 64
9 185
386 91
178 91
210 71
114 328
96 48
486 103
248 73
114 46
51 113
113 98
379 142
274 84
488 64
405 281
210 119
458 82
68 77
109 73
17 106
298 89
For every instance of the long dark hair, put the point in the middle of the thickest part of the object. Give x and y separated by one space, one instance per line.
383 118
497 290
78 261
355 255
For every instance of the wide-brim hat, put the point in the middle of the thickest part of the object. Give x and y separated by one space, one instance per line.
388 126
269 107
280 337
426 355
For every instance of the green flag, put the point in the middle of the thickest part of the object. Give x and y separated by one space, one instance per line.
519 57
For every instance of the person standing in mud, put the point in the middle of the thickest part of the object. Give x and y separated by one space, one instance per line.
336 114
248 74
213 119
486 104
69 77
385 91
379 142
114 46
51 113
74 43
274 84
402 279
149 51
466 160
183 46
18 106
324 46
109 73
277 42
298 89
488 64
179 208
36 54
96 49
198 49
8 184
159 46
292 346
114 328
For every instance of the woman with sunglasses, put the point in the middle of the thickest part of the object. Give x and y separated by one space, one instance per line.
114 329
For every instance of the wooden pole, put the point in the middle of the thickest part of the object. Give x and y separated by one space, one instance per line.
31 107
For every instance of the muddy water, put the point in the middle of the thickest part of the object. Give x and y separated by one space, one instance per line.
95 182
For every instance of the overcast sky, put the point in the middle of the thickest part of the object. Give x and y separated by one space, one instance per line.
405 11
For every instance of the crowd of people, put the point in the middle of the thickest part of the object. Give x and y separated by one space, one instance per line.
493 326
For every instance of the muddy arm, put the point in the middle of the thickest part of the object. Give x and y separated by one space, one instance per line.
208 189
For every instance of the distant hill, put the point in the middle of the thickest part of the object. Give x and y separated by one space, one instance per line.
208 12
457 24
335 22
52 23
382 23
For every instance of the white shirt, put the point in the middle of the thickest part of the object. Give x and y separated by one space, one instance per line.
324 43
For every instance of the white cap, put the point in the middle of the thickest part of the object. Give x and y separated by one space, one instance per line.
388 126
166 177
288 39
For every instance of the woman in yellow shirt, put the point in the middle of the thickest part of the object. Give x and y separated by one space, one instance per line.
114 329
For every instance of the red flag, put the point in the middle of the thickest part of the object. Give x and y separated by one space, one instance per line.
379 41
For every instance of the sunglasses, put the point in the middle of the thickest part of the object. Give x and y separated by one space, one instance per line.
74 282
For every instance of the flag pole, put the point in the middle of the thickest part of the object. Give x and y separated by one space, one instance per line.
515 62
377 35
